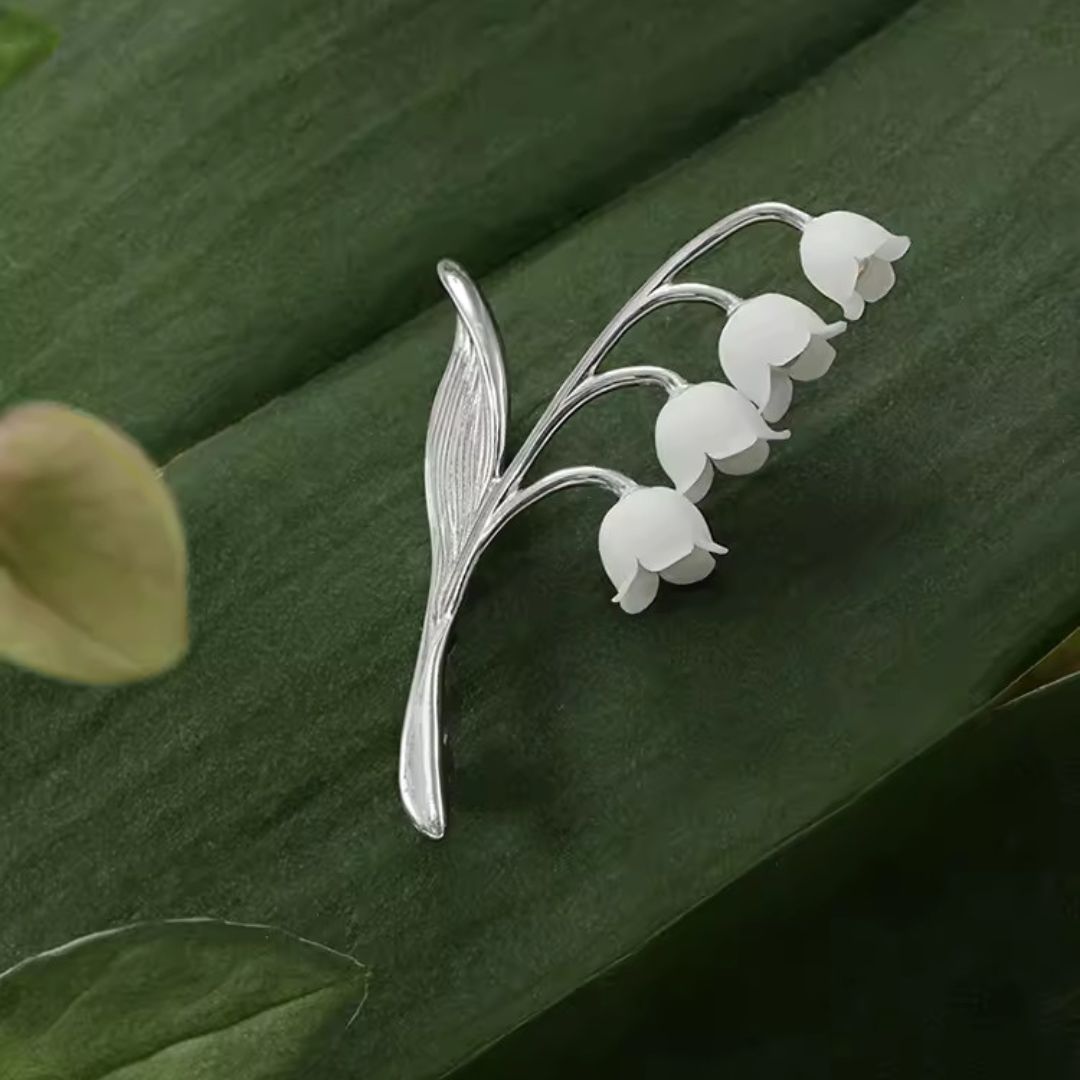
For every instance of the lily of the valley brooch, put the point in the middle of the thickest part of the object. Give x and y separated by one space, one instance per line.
768 343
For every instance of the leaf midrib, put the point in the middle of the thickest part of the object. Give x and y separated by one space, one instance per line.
114 1071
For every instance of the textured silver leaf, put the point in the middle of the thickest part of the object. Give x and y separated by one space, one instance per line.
467 430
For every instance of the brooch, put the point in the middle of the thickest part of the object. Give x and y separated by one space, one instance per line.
767 345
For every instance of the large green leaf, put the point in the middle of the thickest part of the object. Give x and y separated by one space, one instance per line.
182 1000
911 549
24 42
219 198
931 933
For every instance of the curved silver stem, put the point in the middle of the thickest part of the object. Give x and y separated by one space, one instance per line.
657 291
420 776
597 385
419 766
617 483
720 230
687 292
577 476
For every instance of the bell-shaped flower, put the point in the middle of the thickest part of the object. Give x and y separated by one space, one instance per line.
654 533
710 425
771 339
848 258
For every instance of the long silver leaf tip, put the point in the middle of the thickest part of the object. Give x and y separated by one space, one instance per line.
426 810
433 828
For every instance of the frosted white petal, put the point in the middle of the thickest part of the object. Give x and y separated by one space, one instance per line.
702 536
772 327
617 548
648 532
816 359
859 236
831 270
638 592
853 306
697 566
748 373
834 250
679 451
896 247
650 526
876 279
779 400
706 420
727 420
746 462
766 331
697 491
709 419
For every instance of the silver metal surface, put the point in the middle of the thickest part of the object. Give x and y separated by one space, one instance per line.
470 497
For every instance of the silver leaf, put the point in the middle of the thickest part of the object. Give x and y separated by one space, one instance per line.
467 430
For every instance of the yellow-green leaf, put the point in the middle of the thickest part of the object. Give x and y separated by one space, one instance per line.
24 42
93 569
1059 663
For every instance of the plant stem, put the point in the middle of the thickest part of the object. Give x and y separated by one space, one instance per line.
579 476
658 291
420 775
583 384
420 765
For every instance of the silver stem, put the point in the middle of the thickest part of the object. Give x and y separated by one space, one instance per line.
492 517
420 775
579 476
657 291
597 385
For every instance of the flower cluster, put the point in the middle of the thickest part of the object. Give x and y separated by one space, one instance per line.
769 343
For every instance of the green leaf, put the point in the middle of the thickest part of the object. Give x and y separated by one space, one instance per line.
1059 663
182 1000
175 267
950 888
24 42
93 567
903 555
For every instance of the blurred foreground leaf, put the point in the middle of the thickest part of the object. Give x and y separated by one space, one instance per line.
93 567
24 42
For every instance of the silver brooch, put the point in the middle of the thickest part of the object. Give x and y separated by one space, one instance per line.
768 344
